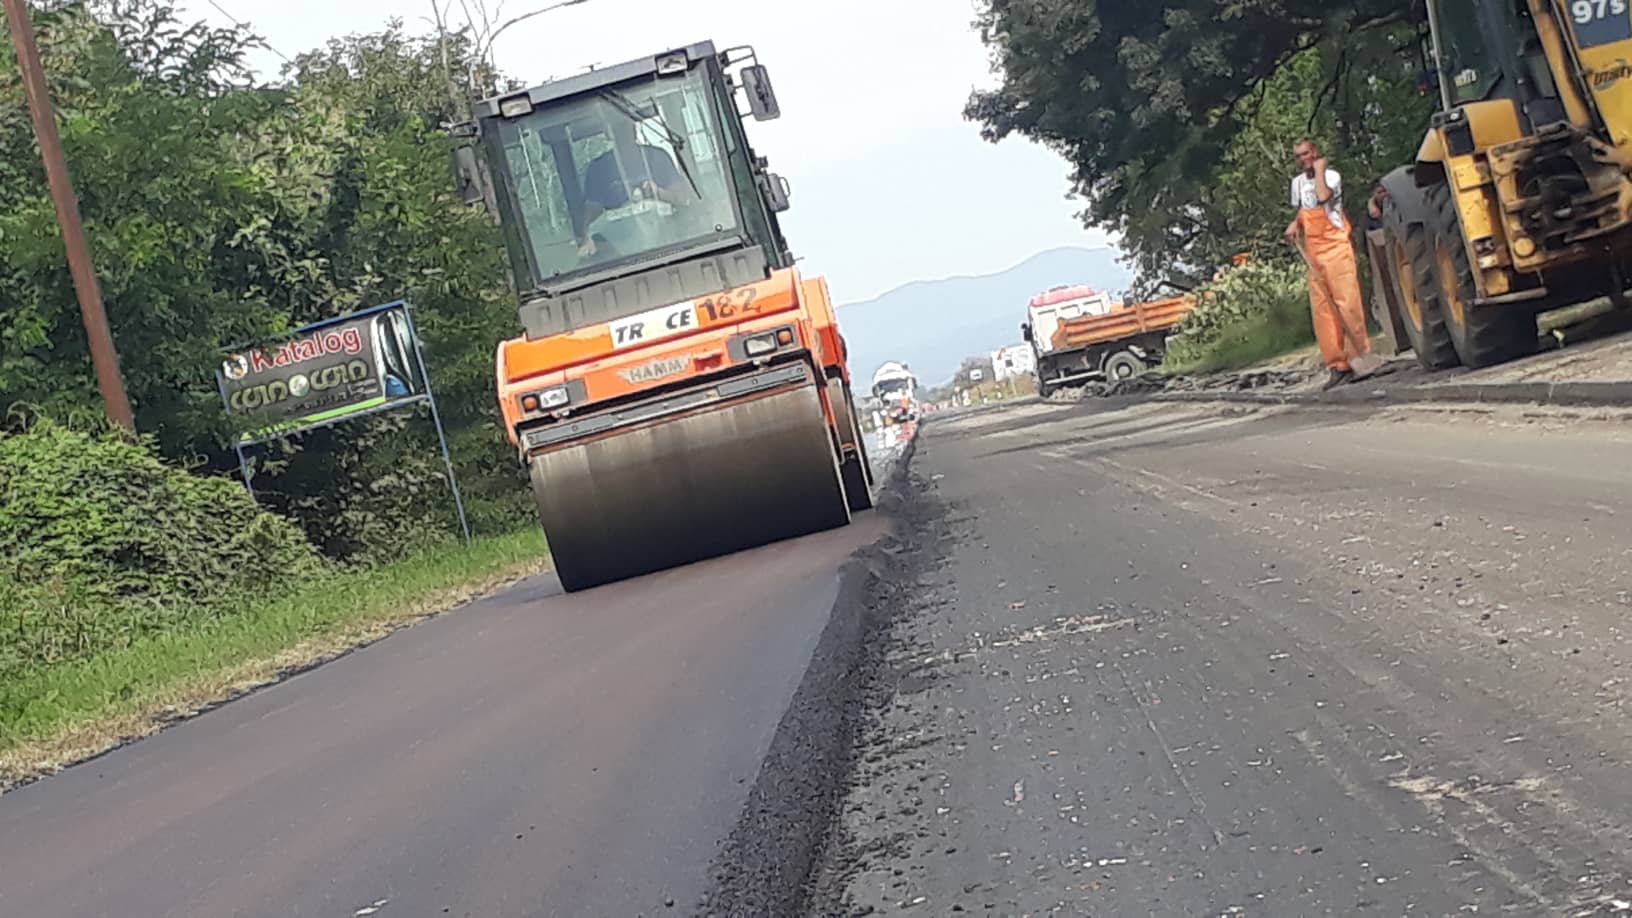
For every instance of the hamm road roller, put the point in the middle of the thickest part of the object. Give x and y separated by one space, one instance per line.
1519 200
679 390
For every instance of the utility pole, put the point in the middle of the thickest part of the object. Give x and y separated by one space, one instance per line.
103 355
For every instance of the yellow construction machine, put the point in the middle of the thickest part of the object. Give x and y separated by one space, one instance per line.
1519 201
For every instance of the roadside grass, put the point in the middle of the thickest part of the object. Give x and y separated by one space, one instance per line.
54 714
1283 328
1253 311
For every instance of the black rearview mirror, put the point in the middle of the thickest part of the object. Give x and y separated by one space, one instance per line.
1025 331
467 175
761 97
776 191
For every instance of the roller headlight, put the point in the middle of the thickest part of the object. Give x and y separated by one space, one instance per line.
760 345
672 63
516 106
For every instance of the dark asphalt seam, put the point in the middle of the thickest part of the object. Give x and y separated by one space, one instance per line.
1197 803
766 866
887 751
1564 394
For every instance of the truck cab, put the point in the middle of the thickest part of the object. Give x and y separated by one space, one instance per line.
1045 312
896 389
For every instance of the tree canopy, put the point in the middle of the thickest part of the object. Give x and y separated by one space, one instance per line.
221 211
1178 116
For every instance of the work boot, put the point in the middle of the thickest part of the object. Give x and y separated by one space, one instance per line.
1337 378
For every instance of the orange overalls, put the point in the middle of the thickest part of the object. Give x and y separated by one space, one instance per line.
1334 284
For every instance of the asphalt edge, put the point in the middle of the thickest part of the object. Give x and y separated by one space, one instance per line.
163 720
766 866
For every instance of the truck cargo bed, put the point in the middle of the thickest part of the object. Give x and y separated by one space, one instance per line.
1123 322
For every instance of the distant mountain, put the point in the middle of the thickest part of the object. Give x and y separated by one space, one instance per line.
932 325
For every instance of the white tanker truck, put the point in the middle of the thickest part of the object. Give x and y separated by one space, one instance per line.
897 391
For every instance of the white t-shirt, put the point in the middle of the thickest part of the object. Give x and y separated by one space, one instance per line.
1304 197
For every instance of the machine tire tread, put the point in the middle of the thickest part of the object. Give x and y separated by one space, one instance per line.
1122 357
861 437
856 490
1431 342
1491 334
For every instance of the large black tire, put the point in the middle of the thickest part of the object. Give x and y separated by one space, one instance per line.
1411 257
853 468
861 438
856 490
1480 335
1123 365
1043 388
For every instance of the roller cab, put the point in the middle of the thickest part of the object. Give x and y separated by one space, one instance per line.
679 389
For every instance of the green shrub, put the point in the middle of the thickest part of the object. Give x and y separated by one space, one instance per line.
375 490
101 542
1249 313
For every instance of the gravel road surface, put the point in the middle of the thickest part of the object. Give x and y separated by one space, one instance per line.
1186 660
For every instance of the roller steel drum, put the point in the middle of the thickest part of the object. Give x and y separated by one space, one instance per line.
689 488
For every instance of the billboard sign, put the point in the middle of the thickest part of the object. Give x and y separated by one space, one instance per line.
358 363
1012 361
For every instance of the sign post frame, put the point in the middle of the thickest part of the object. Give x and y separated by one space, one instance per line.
241 442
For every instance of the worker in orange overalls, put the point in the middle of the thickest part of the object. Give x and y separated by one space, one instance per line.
1321 232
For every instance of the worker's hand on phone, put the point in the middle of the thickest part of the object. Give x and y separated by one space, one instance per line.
1318 167
1375 205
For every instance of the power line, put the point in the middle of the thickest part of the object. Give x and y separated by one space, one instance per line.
245 25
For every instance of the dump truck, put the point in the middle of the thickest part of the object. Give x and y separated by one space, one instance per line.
1079 335
679 389
896 389
1044 312
1518 201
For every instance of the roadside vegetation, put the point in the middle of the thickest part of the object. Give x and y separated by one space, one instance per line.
54 711
223 209
1252 312
131 590
977 378
1179 117
1023 386
138 576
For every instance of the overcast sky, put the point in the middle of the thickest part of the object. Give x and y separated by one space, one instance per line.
890 184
